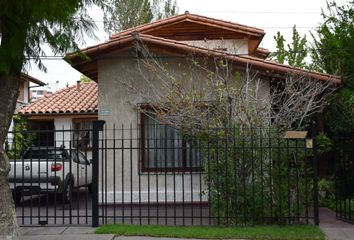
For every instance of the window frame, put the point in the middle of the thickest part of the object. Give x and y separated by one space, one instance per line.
144 160
82 146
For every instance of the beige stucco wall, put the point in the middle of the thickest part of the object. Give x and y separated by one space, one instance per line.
118 106
233 46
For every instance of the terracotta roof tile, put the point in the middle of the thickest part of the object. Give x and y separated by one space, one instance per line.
66 101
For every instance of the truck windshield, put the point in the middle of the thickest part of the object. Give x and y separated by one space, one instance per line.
44 154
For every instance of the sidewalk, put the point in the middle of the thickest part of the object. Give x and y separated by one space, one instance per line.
74 233
62 233
335 229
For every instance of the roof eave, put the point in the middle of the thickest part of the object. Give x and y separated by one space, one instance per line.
29 78
256 62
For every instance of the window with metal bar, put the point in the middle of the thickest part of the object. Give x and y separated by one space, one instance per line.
165 149
82 134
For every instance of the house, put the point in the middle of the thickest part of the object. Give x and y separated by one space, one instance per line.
72 108
24 96
173 40
38 93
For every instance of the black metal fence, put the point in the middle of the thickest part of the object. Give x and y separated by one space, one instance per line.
344 178
156 174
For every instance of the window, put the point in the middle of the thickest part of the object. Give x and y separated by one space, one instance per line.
164 149
44 154
78 157
82 134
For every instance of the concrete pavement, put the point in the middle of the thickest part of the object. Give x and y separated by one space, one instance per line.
74 233
335 229
61 233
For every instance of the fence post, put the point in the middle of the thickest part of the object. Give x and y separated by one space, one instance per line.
97 126
315 174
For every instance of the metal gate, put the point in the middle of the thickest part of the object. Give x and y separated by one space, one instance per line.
51 176
344 178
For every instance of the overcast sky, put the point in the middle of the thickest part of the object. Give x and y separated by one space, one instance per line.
270 15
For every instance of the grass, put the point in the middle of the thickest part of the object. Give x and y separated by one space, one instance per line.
298 232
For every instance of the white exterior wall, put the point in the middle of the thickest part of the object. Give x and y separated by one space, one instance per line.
233 46
64 137
118 106
26 92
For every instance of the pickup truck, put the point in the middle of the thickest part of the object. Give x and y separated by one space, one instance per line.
53 169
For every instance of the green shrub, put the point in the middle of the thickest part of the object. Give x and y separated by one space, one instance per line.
21 140
255 177
326 193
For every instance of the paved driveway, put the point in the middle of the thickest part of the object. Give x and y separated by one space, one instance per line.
50 209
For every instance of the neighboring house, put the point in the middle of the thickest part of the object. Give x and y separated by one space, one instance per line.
73 108
174 38
24 94
38 93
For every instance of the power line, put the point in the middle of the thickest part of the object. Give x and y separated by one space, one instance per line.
53 57
284 27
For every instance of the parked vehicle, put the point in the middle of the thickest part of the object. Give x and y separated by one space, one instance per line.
54 169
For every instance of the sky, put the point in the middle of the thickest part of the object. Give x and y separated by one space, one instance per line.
270 15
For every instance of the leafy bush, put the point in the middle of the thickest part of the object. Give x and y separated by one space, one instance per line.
21 139
326 193
255 177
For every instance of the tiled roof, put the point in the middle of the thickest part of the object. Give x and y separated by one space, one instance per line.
257 63
81 98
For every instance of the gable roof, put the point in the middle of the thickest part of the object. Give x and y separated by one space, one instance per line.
173 47
185 27
78 99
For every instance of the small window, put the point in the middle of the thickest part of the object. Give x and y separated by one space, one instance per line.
78 157
82 134
164 149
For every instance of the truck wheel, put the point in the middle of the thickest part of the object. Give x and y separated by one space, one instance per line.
68 191
17 197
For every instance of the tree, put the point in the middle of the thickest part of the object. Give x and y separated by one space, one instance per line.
123 14
296 52
25 27
333 53
164 8
84 79
234 95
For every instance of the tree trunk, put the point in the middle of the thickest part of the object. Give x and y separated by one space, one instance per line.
9 91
